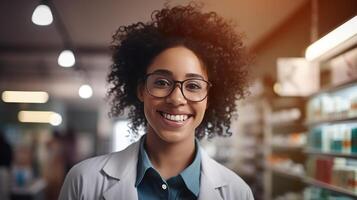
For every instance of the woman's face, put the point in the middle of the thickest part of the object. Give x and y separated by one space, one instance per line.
173 118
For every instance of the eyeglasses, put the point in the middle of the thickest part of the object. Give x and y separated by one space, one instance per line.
161 86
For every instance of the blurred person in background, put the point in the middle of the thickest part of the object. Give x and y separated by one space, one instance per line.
70 149
5 152
6 155
179 75
55 169
61 156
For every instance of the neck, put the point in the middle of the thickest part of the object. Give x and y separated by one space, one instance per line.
169 158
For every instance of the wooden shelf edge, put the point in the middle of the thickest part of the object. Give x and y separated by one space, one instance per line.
331 154
287 174
287 147
311 181
333 188
330 89
331 121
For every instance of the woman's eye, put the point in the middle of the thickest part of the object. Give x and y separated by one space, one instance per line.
162 82
193 86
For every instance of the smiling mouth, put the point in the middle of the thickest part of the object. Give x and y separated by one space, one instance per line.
174 118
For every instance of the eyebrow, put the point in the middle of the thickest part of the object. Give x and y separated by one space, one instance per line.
167 72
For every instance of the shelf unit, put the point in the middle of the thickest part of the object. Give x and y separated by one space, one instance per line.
331 116
281 178
251 129
278 147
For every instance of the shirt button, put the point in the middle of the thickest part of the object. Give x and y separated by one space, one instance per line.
164 186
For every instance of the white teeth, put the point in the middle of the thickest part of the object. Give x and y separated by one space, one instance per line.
178 118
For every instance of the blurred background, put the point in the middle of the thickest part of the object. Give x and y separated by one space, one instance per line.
295 136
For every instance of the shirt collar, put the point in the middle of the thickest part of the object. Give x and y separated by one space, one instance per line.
144 162
190 175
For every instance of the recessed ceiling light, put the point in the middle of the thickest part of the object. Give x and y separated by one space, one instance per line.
42 15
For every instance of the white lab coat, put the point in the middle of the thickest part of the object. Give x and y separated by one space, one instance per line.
113 176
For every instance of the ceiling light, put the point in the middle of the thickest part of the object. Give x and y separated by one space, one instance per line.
24 97
333 39
49 117
66 58
55 119
42 15
85 91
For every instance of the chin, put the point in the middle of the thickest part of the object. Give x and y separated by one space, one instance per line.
173 136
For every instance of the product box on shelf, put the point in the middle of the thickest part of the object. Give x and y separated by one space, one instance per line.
324 169
341 138
354 140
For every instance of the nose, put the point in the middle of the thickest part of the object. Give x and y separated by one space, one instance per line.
176 97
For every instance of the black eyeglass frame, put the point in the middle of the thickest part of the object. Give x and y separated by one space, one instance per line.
209 85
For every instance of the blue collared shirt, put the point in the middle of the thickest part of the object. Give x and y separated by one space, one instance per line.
150 185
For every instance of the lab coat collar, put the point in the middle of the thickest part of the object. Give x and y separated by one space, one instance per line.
123 164
122 167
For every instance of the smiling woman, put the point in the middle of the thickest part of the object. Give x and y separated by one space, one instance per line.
173 74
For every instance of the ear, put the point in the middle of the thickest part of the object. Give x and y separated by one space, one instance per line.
140 92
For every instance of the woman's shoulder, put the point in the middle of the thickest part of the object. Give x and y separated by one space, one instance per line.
97 164
83 177
88 178
90 165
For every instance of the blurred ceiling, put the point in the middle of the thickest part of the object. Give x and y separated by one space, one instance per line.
28 53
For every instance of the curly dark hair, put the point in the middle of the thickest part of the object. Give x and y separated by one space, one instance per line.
213 39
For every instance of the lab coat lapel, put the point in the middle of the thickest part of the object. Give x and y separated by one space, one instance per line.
211 182
123 189
207 190
122 167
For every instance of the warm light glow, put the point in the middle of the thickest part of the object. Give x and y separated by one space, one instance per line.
24 97
277 88
49 117
85 91
332 39
66 58
42 15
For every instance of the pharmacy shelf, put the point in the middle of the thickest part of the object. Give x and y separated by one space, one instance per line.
330 89
332 121
337 189
332 154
